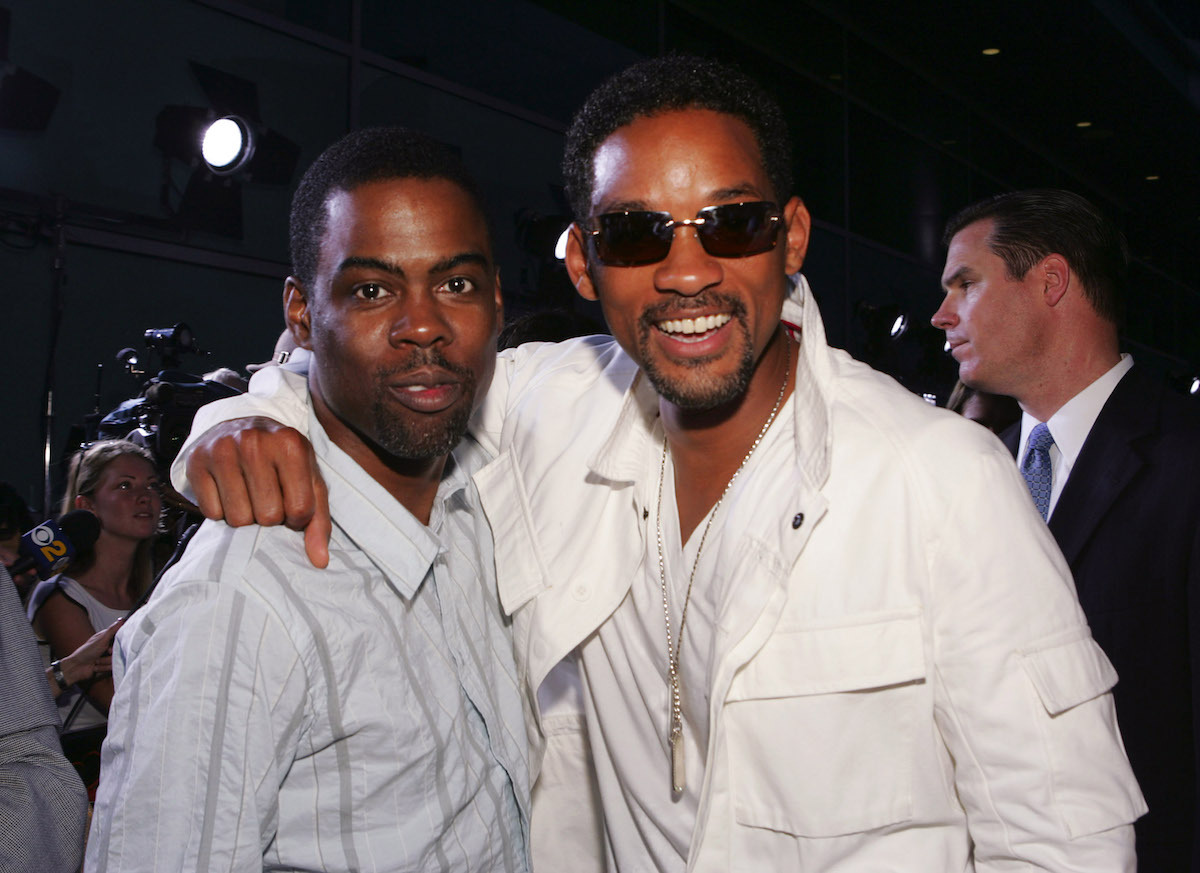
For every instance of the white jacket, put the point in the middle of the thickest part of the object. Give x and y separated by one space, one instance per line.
905 681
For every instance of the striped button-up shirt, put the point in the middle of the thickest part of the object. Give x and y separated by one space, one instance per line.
364 717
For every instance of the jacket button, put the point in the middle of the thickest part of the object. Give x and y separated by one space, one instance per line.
797 520
581 592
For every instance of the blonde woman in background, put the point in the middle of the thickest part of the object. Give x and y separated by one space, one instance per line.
117 481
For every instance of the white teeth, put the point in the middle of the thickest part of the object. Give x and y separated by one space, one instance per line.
703 324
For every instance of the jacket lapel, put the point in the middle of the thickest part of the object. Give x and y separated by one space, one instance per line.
1107 463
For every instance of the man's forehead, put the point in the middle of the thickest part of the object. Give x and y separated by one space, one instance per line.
427 218
690 148
966 249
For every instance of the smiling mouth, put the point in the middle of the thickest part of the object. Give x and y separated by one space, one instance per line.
693 329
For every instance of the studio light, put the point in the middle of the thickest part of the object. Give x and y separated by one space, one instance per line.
899 326
26 100
1194 388
227 145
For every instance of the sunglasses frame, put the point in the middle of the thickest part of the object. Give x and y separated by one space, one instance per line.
663 231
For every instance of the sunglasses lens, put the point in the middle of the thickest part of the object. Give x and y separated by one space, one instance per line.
738 230
628 239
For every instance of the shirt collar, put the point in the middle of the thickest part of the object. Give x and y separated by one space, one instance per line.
374 521
1073 421
622 455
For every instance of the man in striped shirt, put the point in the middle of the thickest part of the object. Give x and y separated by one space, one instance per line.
366 716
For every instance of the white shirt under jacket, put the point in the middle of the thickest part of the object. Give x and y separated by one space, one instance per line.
904 679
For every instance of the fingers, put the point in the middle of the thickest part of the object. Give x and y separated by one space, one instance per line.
297 474
99 642
258 471
253 471
316 534
214 471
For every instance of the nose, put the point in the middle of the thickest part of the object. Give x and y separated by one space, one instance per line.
687 269
421 322
945 317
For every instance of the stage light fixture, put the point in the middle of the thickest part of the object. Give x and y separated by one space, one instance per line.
26 100
899 326
227 145
1194 388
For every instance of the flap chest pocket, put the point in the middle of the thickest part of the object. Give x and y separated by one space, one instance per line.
826 660
823 724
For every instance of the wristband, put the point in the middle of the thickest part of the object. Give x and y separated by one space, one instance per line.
56 669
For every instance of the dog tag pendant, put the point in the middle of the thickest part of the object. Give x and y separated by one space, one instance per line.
677 781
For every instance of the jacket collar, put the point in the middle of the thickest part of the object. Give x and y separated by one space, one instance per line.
621 459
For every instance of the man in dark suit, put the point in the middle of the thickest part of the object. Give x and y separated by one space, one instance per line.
1034 283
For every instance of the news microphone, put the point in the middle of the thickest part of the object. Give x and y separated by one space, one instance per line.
51 546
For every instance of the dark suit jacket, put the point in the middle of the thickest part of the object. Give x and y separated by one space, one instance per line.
1128 523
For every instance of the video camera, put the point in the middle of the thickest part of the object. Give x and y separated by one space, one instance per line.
160 417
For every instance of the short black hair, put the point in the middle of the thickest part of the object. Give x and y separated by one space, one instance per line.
369 155
1029 225
668 84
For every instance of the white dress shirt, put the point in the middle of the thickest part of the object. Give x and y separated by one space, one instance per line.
1070 427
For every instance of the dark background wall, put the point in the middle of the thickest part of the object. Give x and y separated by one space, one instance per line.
899 120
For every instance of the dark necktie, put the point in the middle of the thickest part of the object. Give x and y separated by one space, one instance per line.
1036 467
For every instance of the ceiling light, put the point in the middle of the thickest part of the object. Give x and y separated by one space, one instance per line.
1195 387
899 326
991 51
1083 124
1152 178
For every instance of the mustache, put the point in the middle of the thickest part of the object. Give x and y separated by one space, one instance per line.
424 359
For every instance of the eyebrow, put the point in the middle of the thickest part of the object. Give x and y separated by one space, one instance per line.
454 261
956 276
713 198
445 265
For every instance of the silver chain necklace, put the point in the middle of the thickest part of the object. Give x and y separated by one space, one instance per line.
675 737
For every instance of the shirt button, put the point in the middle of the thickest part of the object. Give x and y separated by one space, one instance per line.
581 592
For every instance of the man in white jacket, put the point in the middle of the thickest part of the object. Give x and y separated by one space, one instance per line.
777 611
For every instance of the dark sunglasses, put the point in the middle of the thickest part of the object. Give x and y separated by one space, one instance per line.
733 230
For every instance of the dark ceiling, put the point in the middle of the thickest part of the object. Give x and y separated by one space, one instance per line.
1129 70
1100 96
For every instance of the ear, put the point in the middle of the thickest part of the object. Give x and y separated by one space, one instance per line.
84 502
1057 276
798 224
296 312
577 263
